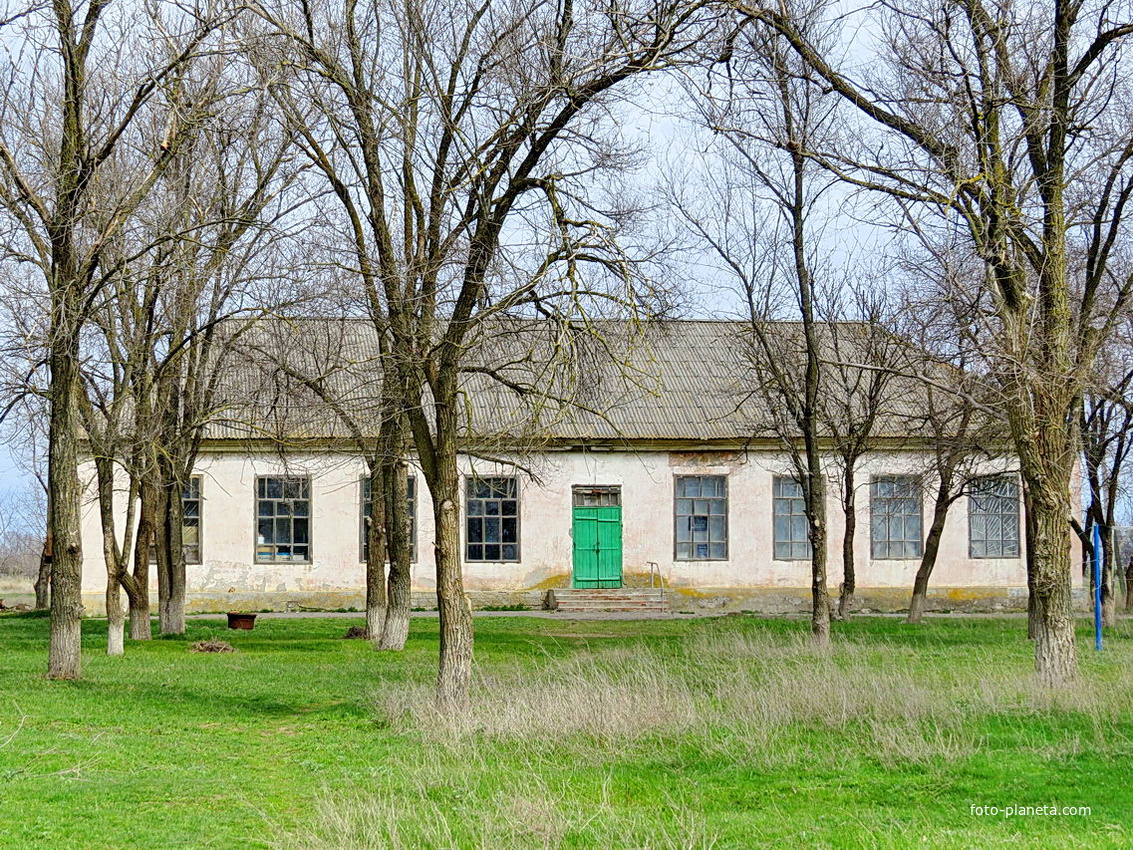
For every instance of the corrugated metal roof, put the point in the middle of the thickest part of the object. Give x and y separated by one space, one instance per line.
688 381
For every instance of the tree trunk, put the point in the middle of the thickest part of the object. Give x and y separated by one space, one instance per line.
1129 585
376 609
815 481
137 585
819 592
141 625
396 630
376 614
177 588
43 579
455 672
849 505
65 496
1086 541
377 543
115 617
1056 660
111 554
1034 611
1034 616
395 498
1109 605
918 601
170 556
931 550
162 561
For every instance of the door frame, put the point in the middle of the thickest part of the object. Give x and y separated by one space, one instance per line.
579 492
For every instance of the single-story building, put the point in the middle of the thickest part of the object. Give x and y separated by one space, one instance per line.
666 467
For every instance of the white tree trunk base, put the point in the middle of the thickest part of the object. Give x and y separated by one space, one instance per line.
375 622
396 631
116 637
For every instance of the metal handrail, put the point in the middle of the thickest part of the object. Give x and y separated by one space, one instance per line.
656 570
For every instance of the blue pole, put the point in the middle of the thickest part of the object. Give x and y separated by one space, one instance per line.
1097 588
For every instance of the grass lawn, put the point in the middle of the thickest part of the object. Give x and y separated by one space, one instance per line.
727 732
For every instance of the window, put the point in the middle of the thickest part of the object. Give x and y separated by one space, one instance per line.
411 496
895 517
190 524
596 497
491 513
191 521
283 520
701 514
993 518
792 541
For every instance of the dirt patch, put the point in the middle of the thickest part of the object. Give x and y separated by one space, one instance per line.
211 646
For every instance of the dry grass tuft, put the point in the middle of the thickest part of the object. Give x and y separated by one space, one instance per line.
356 633
753 699
211 646
610 698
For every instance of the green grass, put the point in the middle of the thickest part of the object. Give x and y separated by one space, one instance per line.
728 732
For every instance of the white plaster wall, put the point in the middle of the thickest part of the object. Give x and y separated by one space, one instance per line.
646 481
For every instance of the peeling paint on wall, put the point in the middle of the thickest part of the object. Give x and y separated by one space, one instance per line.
716 458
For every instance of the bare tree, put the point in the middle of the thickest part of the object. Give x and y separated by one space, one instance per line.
102 404
77 84
464 144
958 446
863 360
214 258
331 363
759 228
165 281
1002 120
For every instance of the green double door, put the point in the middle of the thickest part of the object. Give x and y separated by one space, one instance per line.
597 533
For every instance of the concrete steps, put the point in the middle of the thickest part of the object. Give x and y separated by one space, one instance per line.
624 599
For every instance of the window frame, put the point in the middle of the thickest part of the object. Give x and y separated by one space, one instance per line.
777 497
305 481
200 526
364 515
596 496
1015 515
485 517
200 500
913 481
679 497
